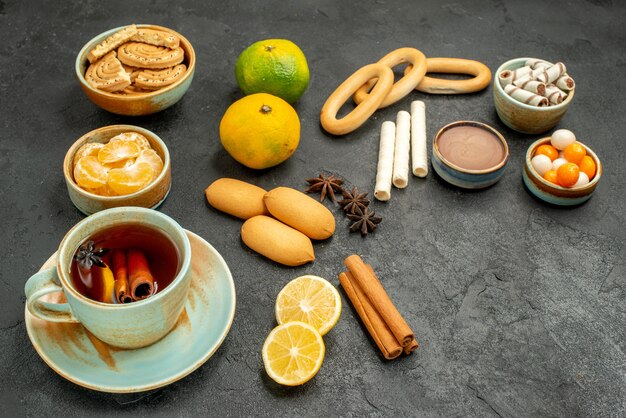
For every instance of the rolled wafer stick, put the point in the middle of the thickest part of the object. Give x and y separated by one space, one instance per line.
535 63
554 72
401 150
505 77
376 326
375 292
521 72
532 86
382 189
554 94
525 97
419 152
565 82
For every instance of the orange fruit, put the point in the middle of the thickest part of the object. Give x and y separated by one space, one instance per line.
119 164
567 174
260 130
274 66
135 137
588 166
89 173
547 150
115 151
88 149
151 157
130 179
574 152
551 176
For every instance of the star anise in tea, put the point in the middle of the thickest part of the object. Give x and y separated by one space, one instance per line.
325 185
87 255
353 200
364 221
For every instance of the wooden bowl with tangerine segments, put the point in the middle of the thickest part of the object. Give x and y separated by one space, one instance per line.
140 104
553 193
150 196
521 117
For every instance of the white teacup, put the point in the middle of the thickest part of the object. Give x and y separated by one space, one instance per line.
131 325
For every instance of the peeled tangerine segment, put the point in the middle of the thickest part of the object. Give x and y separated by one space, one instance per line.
115 151
89 149
138 138
130 179
150 156
90 173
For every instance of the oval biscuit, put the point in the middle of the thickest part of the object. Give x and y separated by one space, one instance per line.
277 241
301 212
236 197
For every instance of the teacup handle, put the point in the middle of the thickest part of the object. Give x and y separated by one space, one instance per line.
40 284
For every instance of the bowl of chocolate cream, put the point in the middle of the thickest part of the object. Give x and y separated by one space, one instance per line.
469 154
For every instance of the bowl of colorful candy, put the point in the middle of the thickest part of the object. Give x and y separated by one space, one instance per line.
561 170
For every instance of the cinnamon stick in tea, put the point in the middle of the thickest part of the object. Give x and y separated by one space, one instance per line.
139 275
376 326
375 292
120 274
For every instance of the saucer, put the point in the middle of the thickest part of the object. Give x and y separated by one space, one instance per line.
74 353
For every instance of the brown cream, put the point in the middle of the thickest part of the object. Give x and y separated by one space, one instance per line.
471 147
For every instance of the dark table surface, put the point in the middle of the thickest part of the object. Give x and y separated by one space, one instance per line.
520 307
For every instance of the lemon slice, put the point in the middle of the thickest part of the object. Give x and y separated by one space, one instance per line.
293 353
309 299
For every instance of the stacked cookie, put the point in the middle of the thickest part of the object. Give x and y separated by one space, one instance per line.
136 61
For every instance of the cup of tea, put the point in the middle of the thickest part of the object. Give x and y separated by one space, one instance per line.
125 273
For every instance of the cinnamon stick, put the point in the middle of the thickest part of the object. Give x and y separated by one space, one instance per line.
375 292
411 347
120 274
139 275
376 326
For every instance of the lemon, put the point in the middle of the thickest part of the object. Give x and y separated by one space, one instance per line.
274 66
309 299
293 353
108 285
260 130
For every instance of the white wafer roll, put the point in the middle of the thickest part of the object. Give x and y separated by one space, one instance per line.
525 97
419 151
553 73
505 77
401 151
521 72
535 63
532 86
382 190
565 82
554 94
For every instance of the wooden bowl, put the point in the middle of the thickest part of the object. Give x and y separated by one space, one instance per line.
522 117
553 193
141 104
149 197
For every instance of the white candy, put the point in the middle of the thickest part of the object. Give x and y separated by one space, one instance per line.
542 164
582 180
557 163
562 138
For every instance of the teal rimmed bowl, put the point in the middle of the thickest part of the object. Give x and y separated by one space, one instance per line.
140 104
553 193
466 178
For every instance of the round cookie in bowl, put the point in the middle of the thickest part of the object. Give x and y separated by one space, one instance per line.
117 165
137 69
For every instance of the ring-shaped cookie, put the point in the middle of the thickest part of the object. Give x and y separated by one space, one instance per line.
365 109
412 77
432 85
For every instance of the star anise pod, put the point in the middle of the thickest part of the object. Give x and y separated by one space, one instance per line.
87 255
325 185
353 200
364 220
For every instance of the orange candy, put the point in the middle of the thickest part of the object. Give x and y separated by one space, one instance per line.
567 174
588 166
547 150
574 152
551 176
